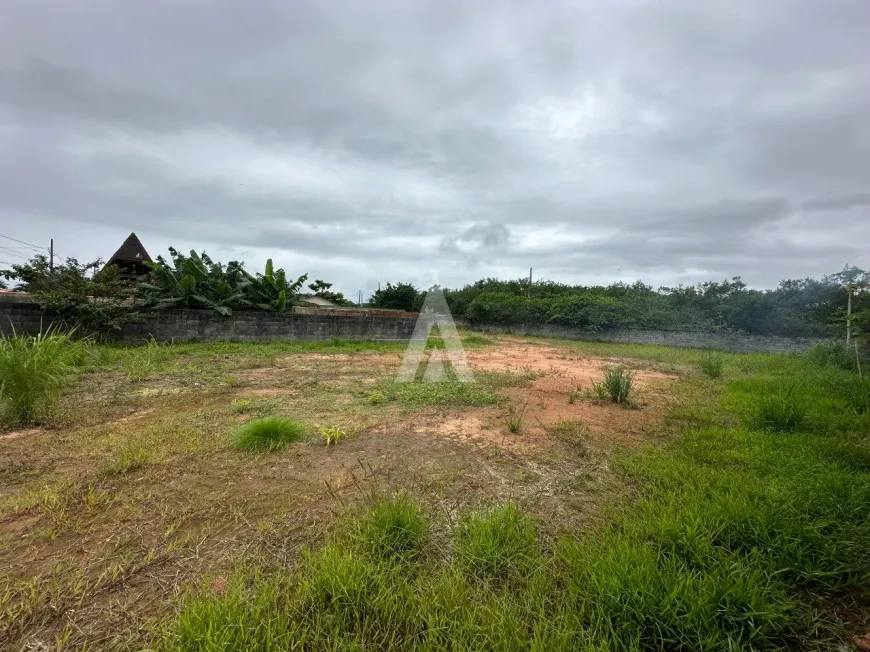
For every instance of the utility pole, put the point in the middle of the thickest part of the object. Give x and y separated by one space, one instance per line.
530 283
849 288
359 302
51 257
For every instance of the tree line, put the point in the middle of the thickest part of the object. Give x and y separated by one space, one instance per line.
796 307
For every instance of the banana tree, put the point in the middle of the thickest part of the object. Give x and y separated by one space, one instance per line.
196 281
271 291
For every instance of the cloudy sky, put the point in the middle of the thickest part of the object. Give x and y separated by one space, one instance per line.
443 140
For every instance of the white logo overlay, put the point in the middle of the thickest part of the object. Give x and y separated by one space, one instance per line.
435 313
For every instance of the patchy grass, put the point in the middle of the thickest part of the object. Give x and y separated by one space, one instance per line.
715 535
129 458
269 434
448 393
739 538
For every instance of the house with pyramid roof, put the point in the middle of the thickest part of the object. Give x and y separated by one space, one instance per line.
130 259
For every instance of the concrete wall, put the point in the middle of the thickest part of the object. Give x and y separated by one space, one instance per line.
310 324
206 326
701 340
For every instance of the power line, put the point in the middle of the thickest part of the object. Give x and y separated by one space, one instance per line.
9 252
22 242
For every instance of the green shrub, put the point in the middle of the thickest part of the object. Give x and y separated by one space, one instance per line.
269 434
780 409
497 542
241 406
833 353
33 371
393 527
711 363
376 398
616 385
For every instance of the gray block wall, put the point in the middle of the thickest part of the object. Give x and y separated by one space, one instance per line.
206 326
734 342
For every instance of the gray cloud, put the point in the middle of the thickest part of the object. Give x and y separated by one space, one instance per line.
838 203
378 140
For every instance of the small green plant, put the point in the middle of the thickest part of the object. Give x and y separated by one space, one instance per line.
33 371
331 434
393 527
269 434
497 542
711 363
573 395
242 406
781 409
616 385
516 420
376 397
128 459
833 353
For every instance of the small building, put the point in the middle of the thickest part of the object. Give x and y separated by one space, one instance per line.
130 259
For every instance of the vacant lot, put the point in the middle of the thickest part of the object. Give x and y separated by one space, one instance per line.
725 504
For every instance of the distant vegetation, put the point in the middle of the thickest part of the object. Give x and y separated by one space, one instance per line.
797 307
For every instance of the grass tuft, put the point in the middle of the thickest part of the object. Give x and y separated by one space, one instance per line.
780 409
616 385
711 363
497 543
393 527
33 371
269 434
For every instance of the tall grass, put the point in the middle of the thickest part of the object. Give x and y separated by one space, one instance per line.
833 353
616 385
33 371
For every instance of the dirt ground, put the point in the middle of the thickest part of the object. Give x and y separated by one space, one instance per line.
138 495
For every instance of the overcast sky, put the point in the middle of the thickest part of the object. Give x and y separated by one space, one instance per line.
363 141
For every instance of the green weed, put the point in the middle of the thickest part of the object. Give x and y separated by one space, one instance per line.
331 435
